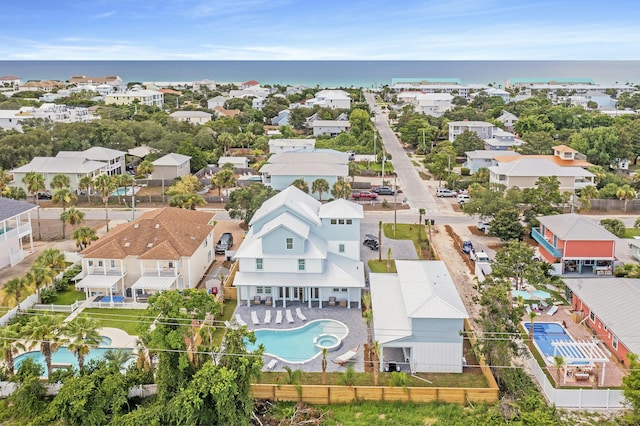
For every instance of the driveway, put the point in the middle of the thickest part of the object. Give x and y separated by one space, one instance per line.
400 249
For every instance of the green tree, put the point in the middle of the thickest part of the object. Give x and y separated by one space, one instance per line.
467 141
360 122
84 236
506 225
45 330
145 169
223 179
631 389
244 202
626 193
600 145
15 288
341 189
65 197
86 184
38 277
515 262
10 345
105 185
71 217
60 182
14 192
354 170
187 201
35 183
301 184
615 226
83 335
52 260
320 186
558 363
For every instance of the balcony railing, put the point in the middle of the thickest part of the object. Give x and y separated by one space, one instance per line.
164 272
97 270
16 258
536 235
20 231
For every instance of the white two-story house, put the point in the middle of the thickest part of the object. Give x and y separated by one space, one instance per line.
15 230
167 248
300 251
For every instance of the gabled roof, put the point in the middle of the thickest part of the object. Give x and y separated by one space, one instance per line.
615 301
306 169
572 227
471 123
11 208
525 166
489 154
295 201
341 208
292 142
96 153
163 234
315 156
503 157
331 123
60 165
252 248
285 220
200 114
420 290
172 159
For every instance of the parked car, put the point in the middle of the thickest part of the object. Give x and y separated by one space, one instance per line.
383 190
483 226
371 241
43 195
463 198
364 195
444 192
224 243
467 247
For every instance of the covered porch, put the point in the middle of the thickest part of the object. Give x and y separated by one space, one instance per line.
593 266
106 283
145 284
311 296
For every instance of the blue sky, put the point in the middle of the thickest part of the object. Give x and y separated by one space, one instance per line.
319 29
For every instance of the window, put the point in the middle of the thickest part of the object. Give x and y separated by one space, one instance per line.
592 316
90 262
334 221
171 265
341 248
263 290
614 342
289 243
349 221
340 221
100 263
300 264
259 265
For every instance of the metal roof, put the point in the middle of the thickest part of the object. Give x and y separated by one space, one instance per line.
572 226
172 159
11 208
154 283
341 208
99 282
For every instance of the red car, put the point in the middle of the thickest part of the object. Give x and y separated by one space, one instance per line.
364 195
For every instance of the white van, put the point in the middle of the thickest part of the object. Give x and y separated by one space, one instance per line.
463 198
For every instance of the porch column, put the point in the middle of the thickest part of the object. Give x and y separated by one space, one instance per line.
319 297
359 298
158 268
348 298
284 296
248 291
31 250
309 293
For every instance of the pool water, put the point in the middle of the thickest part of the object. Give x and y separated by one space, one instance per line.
296 345
544 333
64 356
116 299
122 191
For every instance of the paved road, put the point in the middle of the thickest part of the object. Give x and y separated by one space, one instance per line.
416 190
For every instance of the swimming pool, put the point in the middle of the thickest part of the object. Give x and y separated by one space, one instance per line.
545 333
107 298
122 191
296 345
64 356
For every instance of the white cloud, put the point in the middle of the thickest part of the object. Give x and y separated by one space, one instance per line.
104 15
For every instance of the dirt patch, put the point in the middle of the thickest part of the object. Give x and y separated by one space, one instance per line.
51 229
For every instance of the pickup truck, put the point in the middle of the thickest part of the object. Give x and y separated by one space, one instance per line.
364 195
479 257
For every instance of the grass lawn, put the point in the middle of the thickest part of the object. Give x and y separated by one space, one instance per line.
407 231
124 319
631 232
376 266
68 297
229 307
468 380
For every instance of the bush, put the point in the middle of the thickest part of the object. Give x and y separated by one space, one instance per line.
60 285
70 273
464 171
398 379
48 295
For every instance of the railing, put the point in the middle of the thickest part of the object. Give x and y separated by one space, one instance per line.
110 305
16 258
97 270
165 272
535 234
19 231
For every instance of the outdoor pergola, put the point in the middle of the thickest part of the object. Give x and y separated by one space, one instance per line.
580 352
154 283
108 283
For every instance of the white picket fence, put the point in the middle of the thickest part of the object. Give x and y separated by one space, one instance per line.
142 391
576 398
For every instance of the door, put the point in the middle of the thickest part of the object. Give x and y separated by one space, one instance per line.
298 293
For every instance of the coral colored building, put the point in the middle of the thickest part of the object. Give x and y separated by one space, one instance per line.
578 244
609 307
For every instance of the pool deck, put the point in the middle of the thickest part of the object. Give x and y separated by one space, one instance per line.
613 372
119 338
351 317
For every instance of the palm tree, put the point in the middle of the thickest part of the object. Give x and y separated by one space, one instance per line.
532 317
125 181
72 217
225 140
376 362
38 277
35 183
118 356
85 184
15 288
84 236
421 212
45 330
558 362
320 186
626 193
301 184
83 335
14 192
225 179
60 181
341 189
5 178
105 185
10 345
52 260
187 201
324 366
368 320
64 197
145 169
354 170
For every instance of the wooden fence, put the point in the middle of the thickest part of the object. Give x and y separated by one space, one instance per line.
326 394
230 291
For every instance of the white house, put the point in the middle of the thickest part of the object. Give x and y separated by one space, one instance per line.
300 251
114 159
171 166
238 162
418 317
508 119
282 119
479 159
10 81
218 101
282 169
330 127
193 117
501 140
483 129
167 248
434 104
277 146
15 231
145 97
334 99
75 168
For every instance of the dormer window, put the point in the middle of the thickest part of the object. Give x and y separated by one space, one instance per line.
289 243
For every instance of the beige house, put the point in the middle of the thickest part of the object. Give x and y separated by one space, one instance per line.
193 117
167 248
75 168
524 172
146 97
171 166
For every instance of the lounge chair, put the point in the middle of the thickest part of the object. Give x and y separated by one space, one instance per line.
257 300
267 317
289 316
346 357
300 315
278 317
268 301
552 310
271 365
332 301
254 318
240 321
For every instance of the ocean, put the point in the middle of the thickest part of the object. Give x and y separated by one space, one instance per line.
367 74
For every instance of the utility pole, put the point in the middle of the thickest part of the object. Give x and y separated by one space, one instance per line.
395 206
